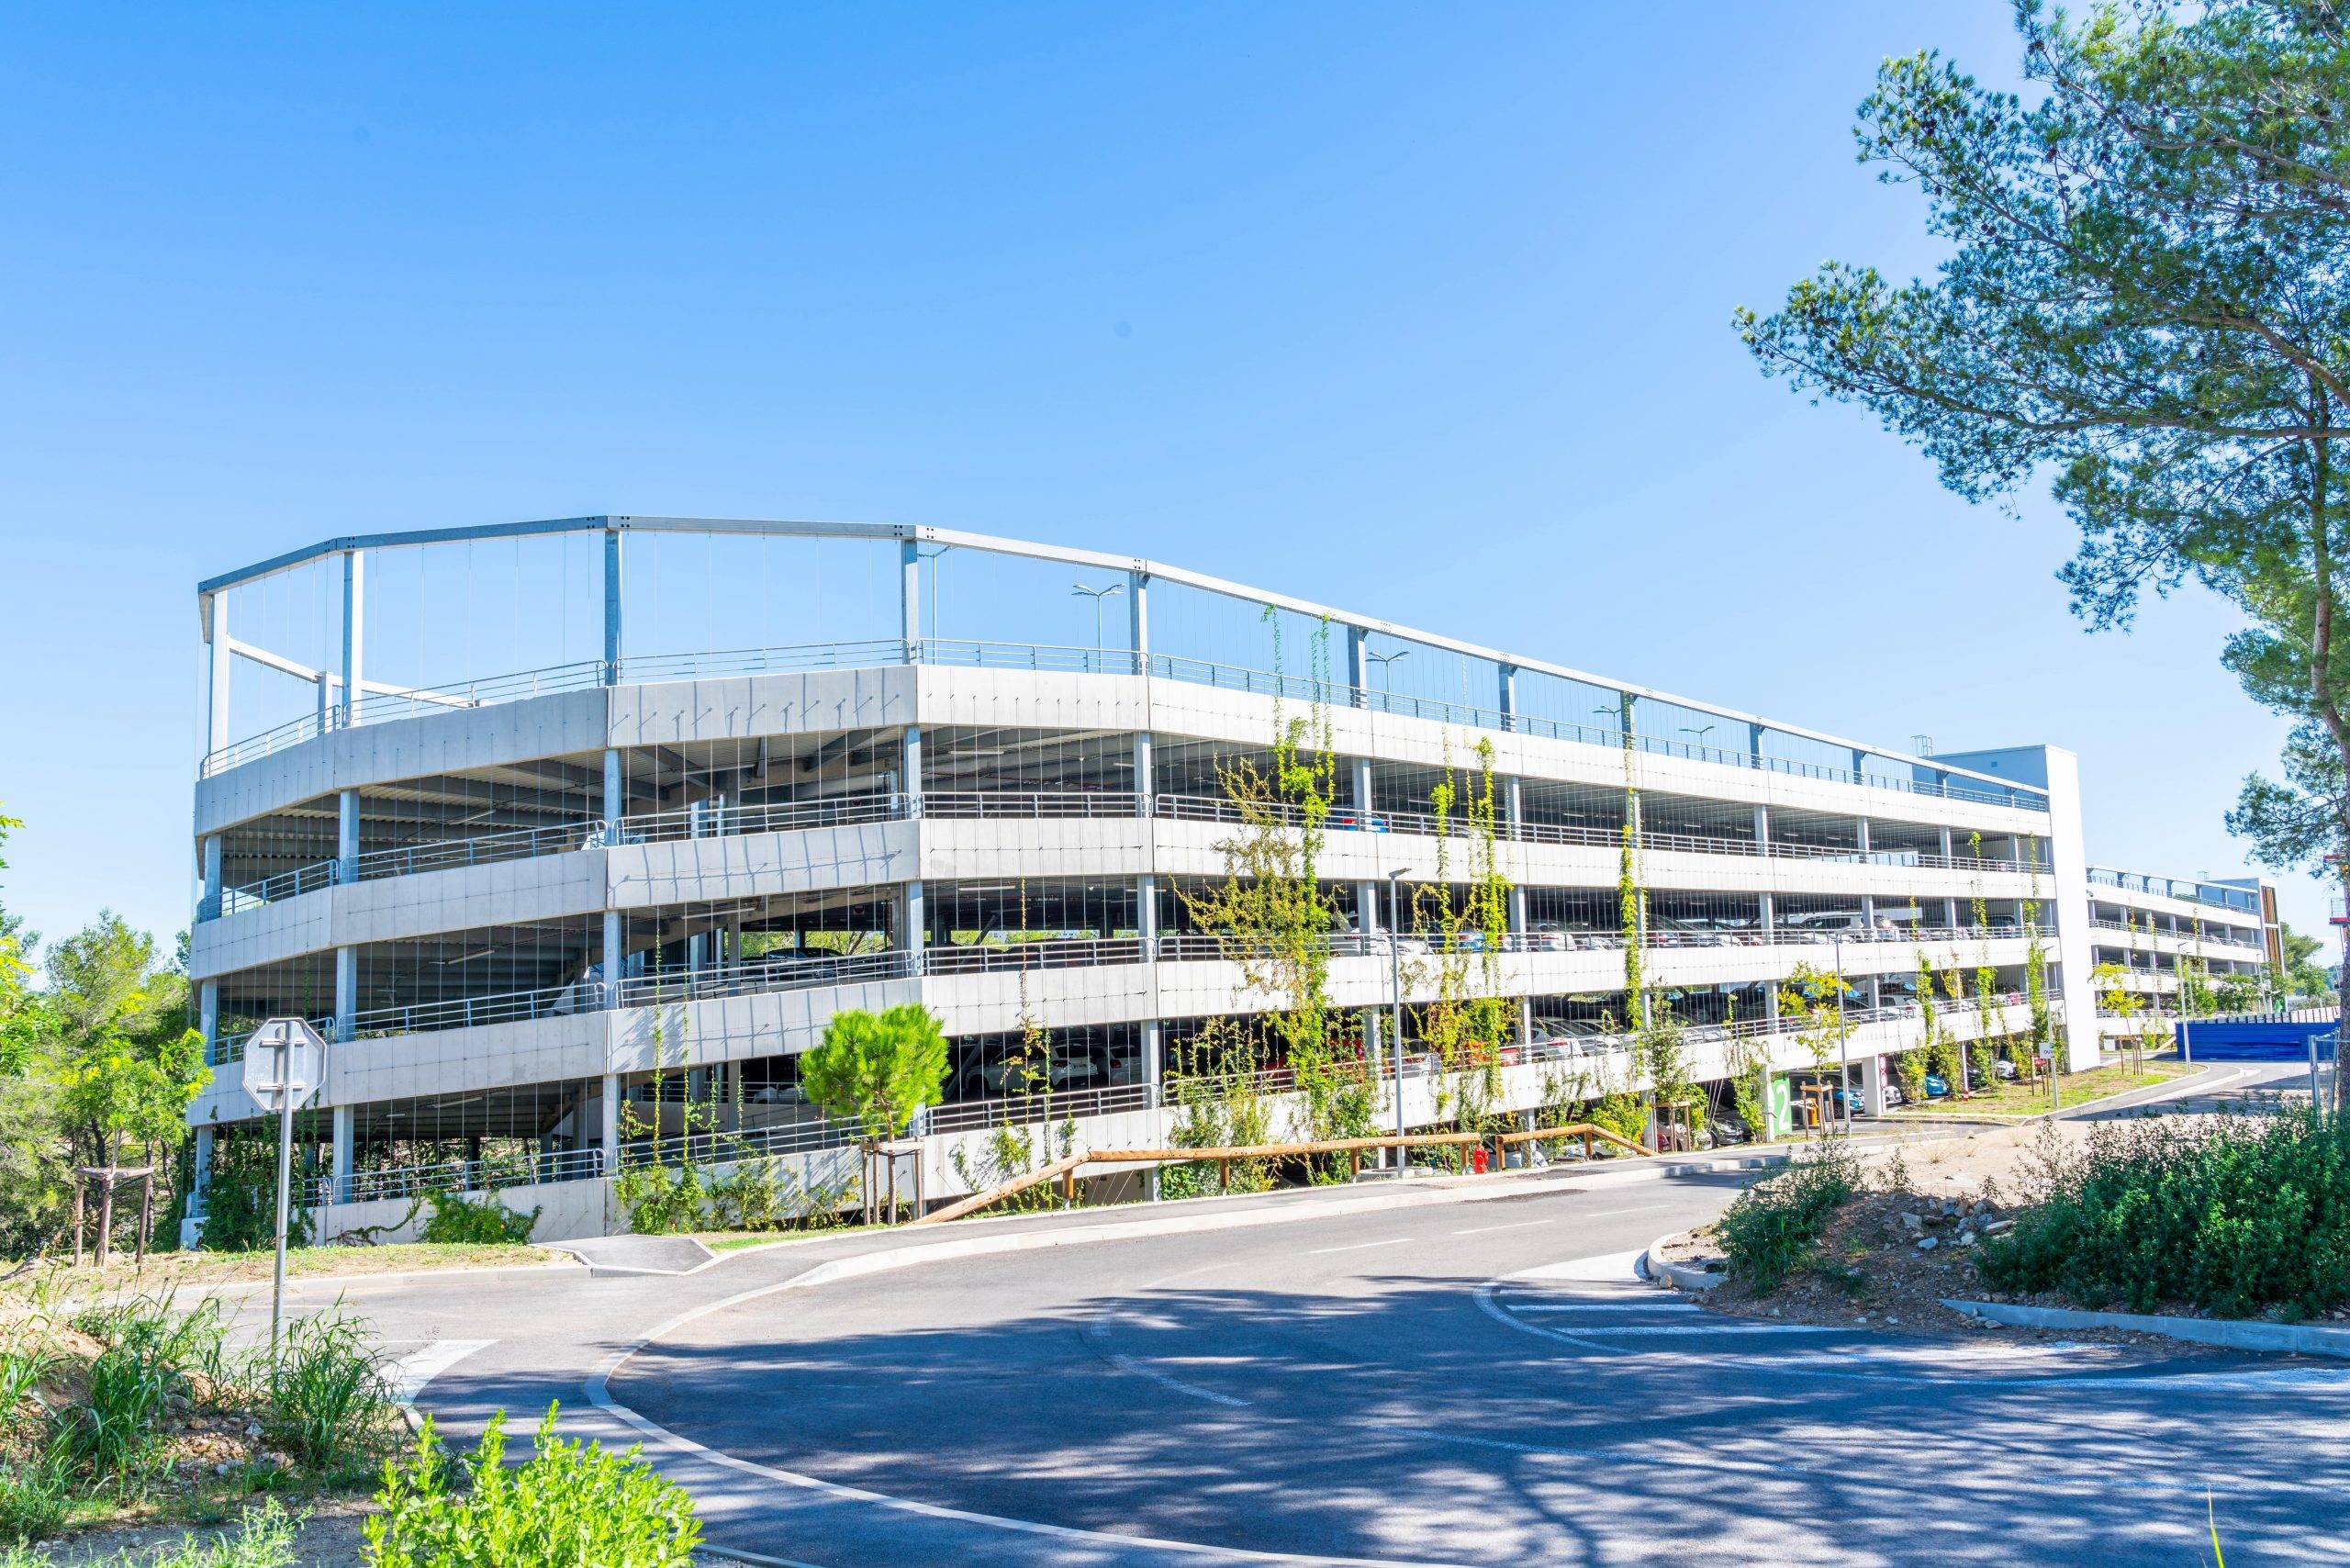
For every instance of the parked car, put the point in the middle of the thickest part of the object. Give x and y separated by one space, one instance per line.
1936 1087
1347 818
1546 937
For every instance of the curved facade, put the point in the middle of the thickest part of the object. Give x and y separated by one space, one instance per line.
543 910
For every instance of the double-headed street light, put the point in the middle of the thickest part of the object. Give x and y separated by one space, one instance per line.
1097 594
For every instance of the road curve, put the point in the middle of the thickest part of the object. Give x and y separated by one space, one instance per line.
1454 1372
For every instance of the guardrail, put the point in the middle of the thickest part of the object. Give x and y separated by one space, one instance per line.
485 1175
1043 657
801 971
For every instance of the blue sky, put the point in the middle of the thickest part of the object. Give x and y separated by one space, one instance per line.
1419 310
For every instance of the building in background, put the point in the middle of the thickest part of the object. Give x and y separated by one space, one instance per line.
738 776
2167 933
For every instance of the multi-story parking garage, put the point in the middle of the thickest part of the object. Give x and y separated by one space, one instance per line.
2161 932
745 775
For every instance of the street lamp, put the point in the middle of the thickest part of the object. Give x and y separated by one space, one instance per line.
1097 594
1700 730
1395 996
1843 1037
1383 661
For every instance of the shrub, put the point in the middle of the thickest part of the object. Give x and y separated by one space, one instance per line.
151 1350
36 1494
240 1199
2246 1217
571 1503
1768 1233
329 1405
483 1222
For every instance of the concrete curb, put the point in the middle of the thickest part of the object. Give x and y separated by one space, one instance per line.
1680 1276
2235 1334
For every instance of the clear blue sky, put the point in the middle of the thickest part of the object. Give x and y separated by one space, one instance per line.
1424 311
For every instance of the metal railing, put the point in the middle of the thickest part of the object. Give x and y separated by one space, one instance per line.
957 805
801 971
2242 900
1043 657
485 1175
2223 936
1352 819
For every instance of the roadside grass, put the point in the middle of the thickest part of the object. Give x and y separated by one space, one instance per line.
166 1271
2073 1090
137 1410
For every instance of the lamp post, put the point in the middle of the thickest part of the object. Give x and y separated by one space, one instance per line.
1395 998
1387 676
1097 596
1700 730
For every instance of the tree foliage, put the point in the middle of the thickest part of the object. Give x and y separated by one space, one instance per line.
877 1069
2145 300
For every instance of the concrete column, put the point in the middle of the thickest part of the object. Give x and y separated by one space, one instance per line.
344 1134
1860 832
355 632
1514 818
915 934
207 1013
1508 697
1357 667
1871 1073
1138 618
614 593
1769 911
202 1157
1754 748
615 793
910 599
610 1136
346 843
346 994
1145 780
1859 759
1366 891
217 682
210 908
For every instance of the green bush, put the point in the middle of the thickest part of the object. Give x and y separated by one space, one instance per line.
240 1199
1768 1233
2248 1216
485 1222
151 1350
36 1495
329 1405
571 1503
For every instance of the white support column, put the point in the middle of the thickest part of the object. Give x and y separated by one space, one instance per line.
354 631
210 908
1138 618
343 1151
1367 891
1357 667
207 1013
614 593
909 600
1859 759
1514 814
346 837
1860 832
202 1157
1755 745
915 934
1509 696
610 1136
217 682
346 994
1872 1068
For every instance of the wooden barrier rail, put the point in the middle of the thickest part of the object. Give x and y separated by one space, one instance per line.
1065 1168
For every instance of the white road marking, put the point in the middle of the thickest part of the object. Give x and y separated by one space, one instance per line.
1604 1329
1481 1229
409 1373
1667 1304
1358 1245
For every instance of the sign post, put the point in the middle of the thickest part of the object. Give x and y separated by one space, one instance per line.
284 1062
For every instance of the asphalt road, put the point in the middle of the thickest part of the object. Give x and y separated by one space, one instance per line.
1447 1373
